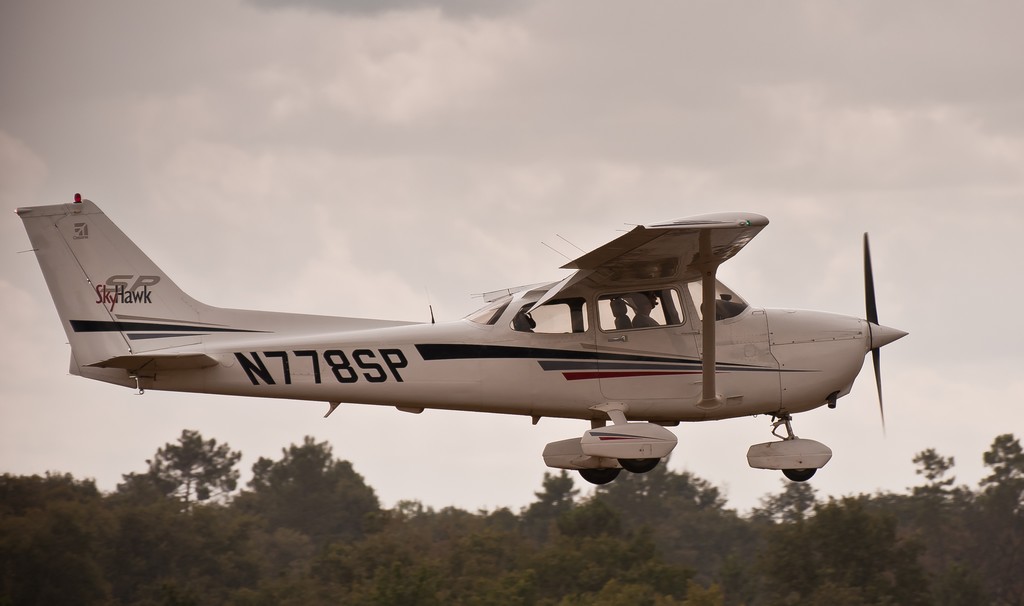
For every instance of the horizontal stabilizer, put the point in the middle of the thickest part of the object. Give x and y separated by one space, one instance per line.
150 362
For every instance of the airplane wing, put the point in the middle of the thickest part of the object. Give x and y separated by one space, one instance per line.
675 250
684 250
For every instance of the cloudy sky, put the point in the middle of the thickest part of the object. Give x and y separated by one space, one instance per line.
365 158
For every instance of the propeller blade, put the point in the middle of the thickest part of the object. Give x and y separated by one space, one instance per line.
876 361
872 311
869 284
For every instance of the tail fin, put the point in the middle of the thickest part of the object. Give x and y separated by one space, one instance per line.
111 298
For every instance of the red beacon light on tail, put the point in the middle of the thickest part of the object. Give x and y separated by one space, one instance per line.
78 198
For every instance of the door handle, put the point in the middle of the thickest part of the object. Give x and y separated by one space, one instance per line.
618 339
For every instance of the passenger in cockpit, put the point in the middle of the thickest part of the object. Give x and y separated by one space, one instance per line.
621 313
643 304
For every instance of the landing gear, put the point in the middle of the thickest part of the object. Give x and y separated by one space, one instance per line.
796 475
639 465
600 476
604 451
603 475
786 420
799 475
795 457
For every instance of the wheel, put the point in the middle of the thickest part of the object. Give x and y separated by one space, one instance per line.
599 476
799 475
639 465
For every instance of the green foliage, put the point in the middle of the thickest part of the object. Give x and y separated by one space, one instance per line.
191 470
1006 459
845 553
934 467
998 518
688 521
557 496
1004 487
309 530
51 528
311 492
793 504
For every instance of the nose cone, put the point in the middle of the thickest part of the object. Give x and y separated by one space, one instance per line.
883 335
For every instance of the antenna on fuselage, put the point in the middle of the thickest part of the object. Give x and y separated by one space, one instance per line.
571 244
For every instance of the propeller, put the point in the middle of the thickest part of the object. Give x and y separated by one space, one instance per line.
872 310
879 335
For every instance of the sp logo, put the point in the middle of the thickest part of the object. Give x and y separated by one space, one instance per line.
122 281
125 288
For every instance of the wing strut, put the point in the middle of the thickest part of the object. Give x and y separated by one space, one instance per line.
709 269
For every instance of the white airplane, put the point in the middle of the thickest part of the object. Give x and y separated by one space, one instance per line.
641 334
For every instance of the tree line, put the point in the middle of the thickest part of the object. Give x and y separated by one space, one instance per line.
308 529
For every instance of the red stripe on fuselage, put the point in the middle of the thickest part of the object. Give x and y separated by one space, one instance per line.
621 374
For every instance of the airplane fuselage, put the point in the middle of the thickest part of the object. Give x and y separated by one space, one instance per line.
769 361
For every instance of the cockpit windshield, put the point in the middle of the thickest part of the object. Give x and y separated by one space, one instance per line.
560 316
728 304
489 314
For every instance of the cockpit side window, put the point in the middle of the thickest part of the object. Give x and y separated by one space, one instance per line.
639 309
562 316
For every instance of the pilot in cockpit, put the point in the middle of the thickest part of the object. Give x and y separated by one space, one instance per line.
523 322
726 308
